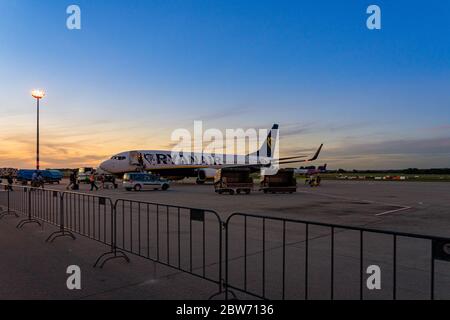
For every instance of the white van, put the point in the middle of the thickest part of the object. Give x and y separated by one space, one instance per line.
144 181
84 174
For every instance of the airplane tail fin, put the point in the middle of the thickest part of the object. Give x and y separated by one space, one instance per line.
268 147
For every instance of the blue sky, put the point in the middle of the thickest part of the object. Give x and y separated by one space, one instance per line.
137 70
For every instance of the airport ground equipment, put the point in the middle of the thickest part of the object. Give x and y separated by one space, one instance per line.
49 176
233 180
8 172
84 174
313 180
282 182
108 181
263 256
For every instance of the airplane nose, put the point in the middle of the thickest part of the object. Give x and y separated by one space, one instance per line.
106 165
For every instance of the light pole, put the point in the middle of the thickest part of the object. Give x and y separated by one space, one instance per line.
38 95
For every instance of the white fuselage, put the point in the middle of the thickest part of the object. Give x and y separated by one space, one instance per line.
166 160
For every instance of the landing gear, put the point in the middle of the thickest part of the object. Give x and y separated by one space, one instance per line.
200 181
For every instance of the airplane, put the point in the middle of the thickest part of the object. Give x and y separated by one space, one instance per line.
309 171
203 166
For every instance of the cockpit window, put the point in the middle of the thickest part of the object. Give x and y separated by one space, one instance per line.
118 158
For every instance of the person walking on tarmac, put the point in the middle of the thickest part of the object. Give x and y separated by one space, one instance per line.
34 179
40 180
37 180
10 181
92 181
72 180
113 180
141 161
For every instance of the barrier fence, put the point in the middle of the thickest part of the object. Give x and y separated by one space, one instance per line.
187 239
257 256
327 261
89 216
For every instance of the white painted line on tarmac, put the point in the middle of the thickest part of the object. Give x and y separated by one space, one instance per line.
393 211
338 197
400 207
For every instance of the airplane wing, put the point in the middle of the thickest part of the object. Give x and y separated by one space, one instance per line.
316 155
279 161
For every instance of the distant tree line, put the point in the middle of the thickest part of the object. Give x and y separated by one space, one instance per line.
404 171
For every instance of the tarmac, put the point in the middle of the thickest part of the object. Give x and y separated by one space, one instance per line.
416 207
34 269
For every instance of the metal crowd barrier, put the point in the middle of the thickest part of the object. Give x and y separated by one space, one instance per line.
186 239
321 260
88 215
5 199
38 204
262 257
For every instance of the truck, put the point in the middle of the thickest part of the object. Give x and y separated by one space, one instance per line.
282 182
50 176
233 180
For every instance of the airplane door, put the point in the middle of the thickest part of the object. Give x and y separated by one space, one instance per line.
134 158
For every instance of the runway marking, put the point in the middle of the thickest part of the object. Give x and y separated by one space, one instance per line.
400 207
393 211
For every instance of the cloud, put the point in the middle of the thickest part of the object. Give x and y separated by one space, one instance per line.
441 128
406 146
298 129
390 154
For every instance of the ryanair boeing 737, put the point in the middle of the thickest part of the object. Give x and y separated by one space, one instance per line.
203 166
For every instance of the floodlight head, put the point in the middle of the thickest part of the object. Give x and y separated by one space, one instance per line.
38 94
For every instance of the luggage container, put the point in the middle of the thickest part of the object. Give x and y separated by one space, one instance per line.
282 182
233 180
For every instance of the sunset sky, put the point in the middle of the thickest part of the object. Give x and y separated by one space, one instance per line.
139 69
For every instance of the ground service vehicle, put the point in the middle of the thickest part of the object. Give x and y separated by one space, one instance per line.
84 174
144 181
49 176
283 181
233 180
313 181
8 172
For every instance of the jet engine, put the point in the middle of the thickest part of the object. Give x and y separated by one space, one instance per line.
205 174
